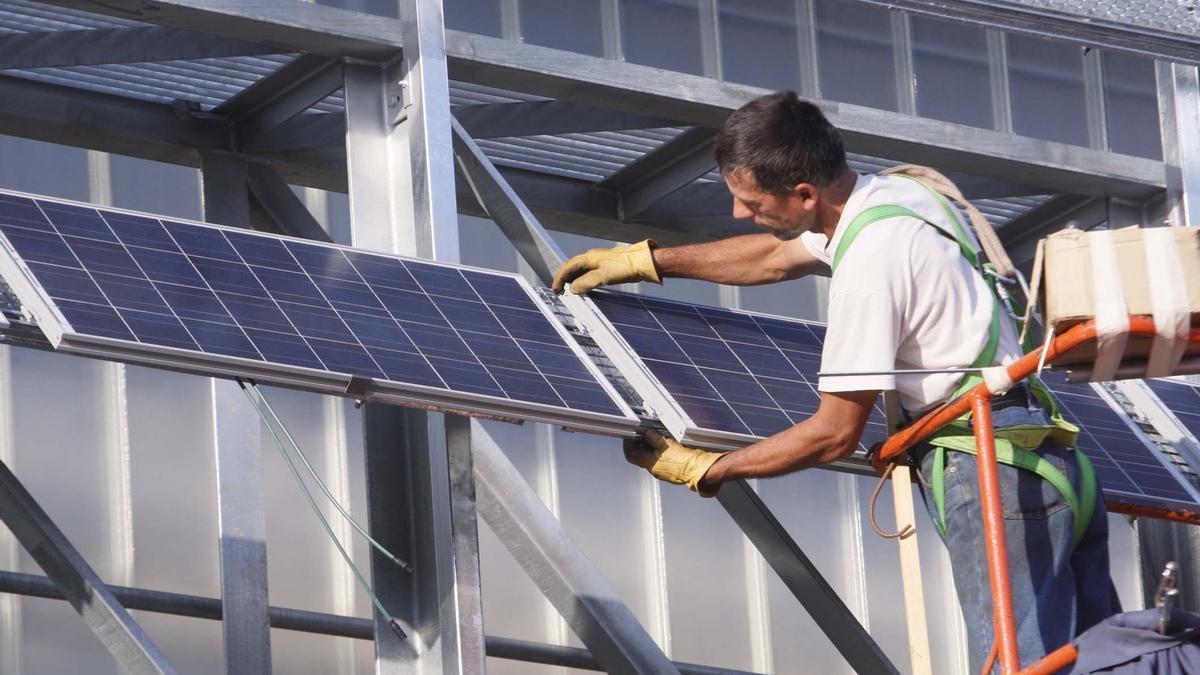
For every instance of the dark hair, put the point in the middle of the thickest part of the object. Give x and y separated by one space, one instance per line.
782 141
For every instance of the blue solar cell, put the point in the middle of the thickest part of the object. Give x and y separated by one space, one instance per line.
93 319
245 295
140 232
77 221
1129 470
21 211
263 252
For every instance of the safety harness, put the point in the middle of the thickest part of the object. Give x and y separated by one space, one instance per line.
1014 445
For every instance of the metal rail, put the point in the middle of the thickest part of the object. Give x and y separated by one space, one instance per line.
320 623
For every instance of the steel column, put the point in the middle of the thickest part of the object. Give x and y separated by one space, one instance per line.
224 191
402 200
76 580
546 552
242 527
803 579
1179 120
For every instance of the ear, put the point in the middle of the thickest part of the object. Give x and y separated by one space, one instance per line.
807 193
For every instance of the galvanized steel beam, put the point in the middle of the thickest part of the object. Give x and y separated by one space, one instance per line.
398 138
1108 32
286 25
500 120
272 195
1021 234
280 96
75 579
700 101
546 552
242 528
197 607
139 44
1179 120
663 171
502 205
803 579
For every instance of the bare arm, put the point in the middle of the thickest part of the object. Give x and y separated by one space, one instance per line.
830 434
745 260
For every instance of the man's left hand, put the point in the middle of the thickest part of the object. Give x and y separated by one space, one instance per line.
671 461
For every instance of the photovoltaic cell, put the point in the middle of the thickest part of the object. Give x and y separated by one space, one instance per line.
1129 469
739 374
243 295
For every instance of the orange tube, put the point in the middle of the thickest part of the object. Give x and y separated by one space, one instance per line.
1177 515
993 532
1053 662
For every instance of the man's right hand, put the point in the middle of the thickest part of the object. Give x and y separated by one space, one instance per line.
606 266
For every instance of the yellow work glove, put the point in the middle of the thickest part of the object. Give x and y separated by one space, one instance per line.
606 266
671 461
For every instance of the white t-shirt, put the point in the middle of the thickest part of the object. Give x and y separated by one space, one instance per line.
904 297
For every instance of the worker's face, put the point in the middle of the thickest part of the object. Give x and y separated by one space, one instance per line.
786 215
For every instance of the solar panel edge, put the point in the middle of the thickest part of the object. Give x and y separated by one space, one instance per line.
655 398
20 279
1153 450
65 337
1186 443
268 236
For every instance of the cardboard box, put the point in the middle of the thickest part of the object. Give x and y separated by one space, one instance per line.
1066 282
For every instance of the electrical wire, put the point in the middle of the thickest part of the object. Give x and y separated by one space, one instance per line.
362 581
324 488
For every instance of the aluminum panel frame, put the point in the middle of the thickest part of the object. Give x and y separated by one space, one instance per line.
1164 421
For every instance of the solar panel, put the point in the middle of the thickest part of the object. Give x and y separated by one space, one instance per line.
716 377
1182 399
1130 468
223 301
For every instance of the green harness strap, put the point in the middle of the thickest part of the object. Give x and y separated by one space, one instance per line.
958 434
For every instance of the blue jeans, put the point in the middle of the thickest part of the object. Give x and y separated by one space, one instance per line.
1059 589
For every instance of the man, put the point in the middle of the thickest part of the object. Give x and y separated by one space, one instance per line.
905 294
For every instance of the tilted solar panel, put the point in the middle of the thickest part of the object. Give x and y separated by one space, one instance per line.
1130 468
231 302
716 377
1182 399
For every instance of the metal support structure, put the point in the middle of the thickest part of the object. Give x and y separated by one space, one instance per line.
320 623
287 25
402 200
1090 25
503 206
76 580
276 200
224 189
544 549
242 526
700 101
1179 120
533 118
663 171
803 579
280 96
137 44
